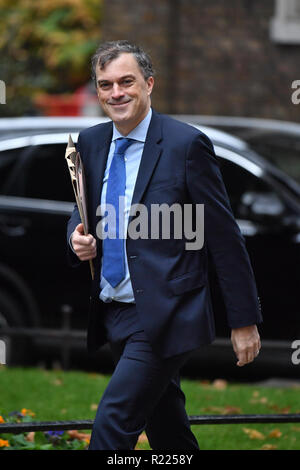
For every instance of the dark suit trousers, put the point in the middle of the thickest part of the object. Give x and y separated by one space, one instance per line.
143 393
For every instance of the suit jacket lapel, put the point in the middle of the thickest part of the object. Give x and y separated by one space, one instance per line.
151 154
99 159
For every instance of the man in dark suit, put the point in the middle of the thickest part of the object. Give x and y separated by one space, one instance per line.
150 296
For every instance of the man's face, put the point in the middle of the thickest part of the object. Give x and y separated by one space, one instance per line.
123 92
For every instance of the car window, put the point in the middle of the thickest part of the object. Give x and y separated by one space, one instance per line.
38 172
8 161
283 151
47 175
282 148
250 196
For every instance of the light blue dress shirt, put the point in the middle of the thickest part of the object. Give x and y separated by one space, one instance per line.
123 292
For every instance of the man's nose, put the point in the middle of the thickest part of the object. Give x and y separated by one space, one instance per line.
117 91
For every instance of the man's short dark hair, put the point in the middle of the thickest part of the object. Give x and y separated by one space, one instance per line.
110 50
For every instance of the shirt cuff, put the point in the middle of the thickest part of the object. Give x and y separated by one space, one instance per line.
70 243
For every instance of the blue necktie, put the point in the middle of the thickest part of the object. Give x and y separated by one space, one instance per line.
113 268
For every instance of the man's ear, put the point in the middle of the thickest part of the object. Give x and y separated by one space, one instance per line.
150 83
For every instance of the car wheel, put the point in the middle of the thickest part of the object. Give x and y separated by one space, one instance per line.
14 350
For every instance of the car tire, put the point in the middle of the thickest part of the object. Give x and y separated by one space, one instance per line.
14 350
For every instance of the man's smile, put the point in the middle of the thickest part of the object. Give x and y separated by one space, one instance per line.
122 104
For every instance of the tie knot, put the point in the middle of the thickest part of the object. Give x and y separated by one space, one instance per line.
122 144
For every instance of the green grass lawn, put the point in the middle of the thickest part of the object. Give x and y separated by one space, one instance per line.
57 395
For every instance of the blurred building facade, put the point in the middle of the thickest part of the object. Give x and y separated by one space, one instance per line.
214 57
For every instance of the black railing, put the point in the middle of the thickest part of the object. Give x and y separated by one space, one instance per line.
66 335
17 428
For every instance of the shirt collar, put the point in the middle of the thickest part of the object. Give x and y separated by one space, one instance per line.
139 132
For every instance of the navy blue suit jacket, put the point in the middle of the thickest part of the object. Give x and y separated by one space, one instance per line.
170 283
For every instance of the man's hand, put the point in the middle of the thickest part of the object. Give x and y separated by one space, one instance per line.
246 344
83 245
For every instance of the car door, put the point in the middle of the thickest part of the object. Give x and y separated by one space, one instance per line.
272 241
36 201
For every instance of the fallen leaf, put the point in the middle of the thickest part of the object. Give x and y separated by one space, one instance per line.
253 433
30 436
204 383
81 436
93 406
219 384
284 410
214 409
275 433
225 410
262 400
231 410
268 447
57 382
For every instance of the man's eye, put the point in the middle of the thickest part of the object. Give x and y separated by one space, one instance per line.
104 85
127 82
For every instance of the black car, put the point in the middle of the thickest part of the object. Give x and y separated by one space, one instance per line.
37 287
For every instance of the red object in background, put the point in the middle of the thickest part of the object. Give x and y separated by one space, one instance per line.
58 105
81 103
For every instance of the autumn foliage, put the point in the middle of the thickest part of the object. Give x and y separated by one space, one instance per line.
45 46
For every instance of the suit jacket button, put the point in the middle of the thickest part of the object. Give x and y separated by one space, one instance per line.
139 291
